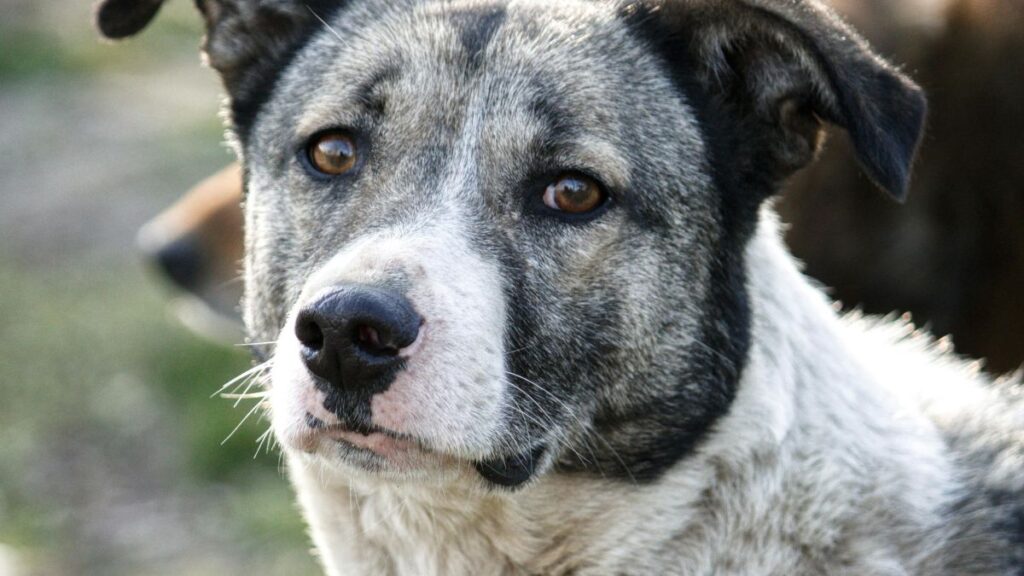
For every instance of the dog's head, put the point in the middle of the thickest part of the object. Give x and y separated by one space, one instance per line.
506 236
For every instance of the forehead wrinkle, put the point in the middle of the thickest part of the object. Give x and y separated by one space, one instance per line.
362 49
439 43
343 101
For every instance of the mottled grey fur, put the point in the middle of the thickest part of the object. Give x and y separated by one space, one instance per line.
694 405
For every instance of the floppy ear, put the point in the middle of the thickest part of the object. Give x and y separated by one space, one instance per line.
123 18
245 39
788 64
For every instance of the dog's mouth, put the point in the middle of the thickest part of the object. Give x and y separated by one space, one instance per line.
505 471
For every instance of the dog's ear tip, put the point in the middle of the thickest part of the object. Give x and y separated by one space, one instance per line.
898 189
106 20
111 30
887 144
118 19
892 176
891 170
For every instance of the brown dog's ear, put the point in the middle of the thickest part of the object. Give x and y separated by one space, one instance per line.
122 18
787 64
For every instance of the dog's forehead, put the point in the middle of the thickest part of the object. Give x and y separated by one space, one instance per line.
494 75
443 53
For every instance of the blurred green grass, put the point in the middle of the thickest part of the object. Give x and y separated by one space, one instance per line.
76 339
112 459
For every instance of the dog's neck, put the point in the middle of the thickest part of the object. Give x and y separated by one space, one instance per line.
778 487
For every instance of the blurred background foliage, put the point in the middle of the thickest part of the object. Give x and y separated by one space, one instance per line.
111 459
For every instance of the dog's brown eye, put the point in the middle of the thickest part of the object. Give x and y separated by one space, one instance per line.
333 153
574 194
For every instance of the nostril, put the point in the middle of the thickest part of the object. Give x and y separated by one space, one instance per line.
309 333
369 340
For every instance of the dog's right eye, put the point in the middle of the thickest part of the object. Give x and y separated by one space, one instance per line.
574 194
332 153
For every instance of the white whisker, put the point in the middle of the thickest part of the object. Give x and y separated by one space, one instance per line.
243 376
254 344
585 429
326 25
244 396
248 414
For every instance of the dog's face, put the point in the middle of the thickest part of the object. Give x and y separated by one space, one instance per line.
499 187
501 237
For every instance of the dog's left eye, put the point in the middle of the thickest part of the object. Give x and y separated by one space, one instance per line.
574 194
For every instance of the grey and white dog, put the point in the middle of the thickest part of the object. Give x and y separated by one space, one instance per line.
528 312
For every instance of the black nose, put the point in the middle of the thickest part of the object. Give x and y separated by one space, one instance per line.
181 261
351 338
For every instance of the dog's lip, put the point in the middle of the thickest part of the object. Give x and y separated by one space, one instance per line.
379 443
376 440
